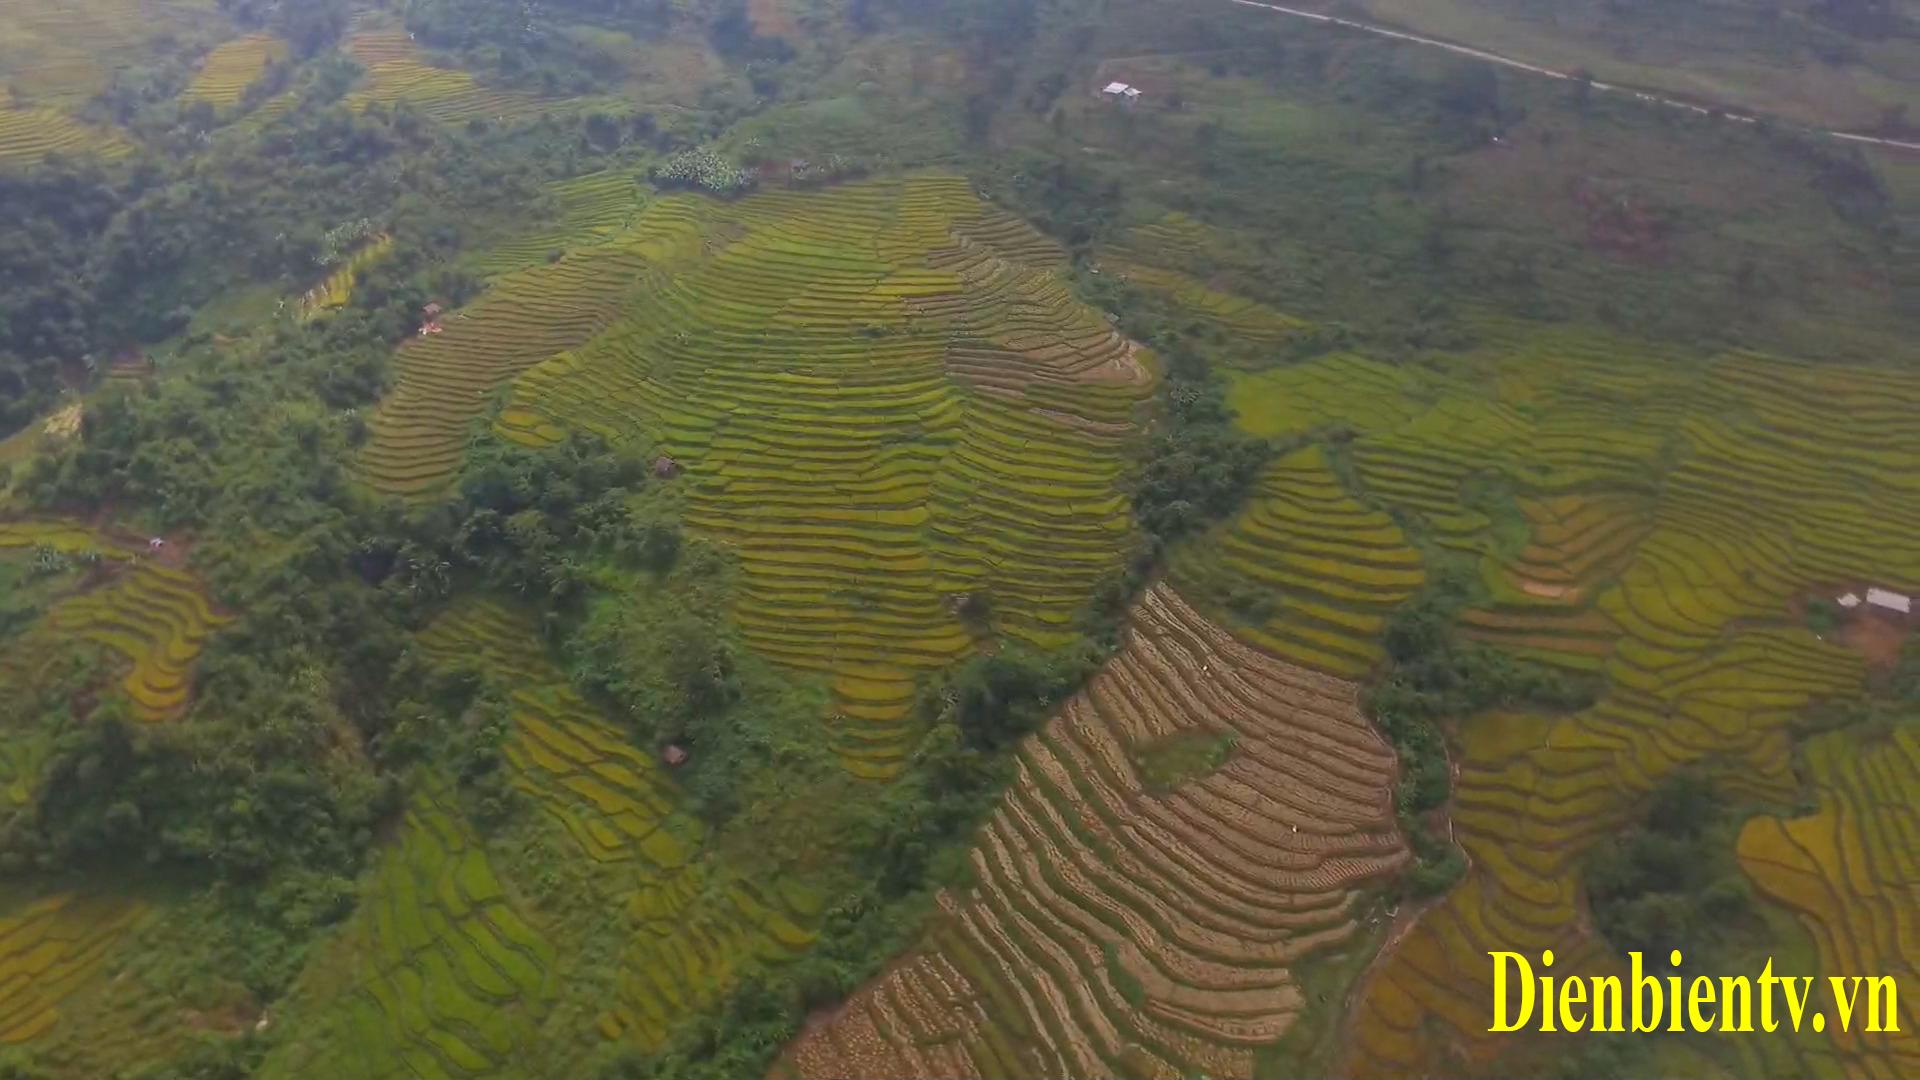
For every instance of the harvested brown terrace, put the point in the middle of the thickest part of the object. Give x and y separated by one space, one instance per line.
1113 930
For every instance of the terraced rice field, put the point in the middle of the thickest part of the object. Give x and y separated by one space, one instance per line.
443 381
1851 873
52 949
1538 609
612 799
591 209
29 135
1331 569
56 54
689 927
154 616
437 976
1177 239
1164 257
1649 517
885 397
1236 316
334 292
66 537
1118 932
232 67
61 52
398 73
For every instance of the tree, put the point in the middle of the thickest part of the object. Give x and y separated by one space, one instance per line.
1673 882
701 665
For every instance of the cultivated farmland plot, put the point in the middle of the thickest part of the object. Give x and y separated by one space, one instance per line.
1338 568
397 72
884 398
55 54
446 971
439 975
51 950
1158 256
1647 517
1851 873
882 393
233 66
28 135
155 617
689 929
1116 931
591 208
61 52
69 995
336 288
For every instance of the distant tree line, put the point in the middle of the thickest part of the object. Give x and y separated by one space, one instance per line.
102 260
307 25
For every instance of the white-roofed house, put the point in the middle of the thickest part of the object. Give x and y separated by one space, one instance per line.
1887 600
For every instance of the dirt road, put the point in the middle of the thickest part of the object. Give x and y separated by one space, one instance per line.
1535 69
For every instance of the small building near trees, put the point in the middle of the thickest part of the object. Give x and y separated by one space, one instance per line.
1889 601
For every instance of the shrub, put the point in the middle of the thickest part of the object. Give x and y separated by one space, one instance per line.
994 700
702 169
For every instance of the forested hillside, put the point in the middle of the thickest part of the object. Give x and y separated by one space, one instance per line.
625 539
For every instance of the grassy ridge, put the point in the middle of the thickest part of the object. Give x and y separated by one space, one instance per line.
1781 58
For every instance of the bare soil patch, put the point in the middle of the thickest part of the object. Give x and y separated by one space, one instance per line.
1875 637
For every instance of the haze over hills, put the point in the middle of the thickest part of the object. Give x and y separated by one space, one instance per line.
1846 64
815 538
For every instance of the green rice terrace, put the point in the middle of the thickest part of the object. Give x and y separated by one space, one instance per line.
55 55
233 66
708 539
154 617
1618 540
862 385
396 73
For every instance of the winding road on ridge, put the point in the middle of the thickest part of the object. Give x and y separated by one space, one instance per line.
1521 65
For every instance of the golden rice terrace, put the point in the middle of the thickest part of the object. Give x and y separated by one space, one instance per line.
884 396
